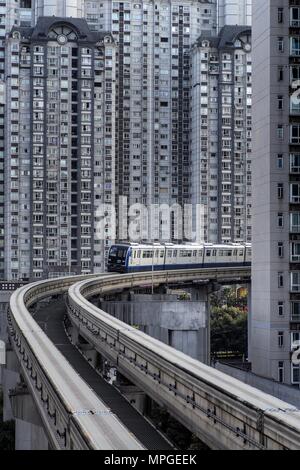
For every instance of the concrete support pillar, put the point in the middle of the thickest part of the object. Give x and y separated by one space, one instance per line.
92 355
29 434
136 397
74 333
182 324
10 379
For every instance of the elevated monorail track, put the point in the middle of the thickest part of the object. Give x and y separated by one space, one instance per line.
223 412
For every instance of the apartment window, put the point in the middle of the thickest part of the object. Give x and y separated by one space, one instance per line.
295 46
281 309
295 252
295 193
295 340
295 163
280 133
280 220
294 73
295 281
280 190
280 280
280 74
295 310
280 15
295 134
280 102
295 17
280 250
280 161
280 339
295 374
280 43
295 222
281 372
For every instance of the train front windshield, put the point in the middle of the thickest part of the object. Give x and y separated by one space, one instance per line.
117 257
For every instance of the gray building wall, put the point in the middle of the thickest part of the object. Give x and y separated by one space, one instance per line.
234 12
60 147
221 125
272 294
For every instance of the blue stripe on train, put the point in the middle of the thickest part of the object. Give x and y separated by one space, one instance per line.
132 269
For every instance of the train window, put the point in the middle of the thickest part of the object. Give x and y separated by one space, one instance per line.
229 253
200 253
113 251
234 252
175 253
195 253
138 254
134 254
148 254
185 254
169 253
208 253
157 253
214 253
221 253
241 252
162 254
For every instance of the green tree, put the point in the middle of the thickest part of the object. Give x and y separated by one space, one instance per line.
228 322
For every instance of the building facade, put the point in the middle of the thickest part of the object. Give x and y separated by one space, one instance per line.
275 321
221 126
234 12
59 147
144 137
60 8
153 134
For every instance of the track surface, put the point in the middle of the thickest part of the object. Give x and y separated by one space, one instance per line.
50 319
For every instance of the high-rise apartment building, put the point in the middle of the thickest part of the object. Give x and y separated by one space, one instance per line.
153 134
59 147
60 8
221 126
234 13
9 17
276 190
146 152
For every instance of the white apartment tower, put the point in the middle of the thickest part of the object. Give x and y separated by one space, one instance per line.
60 8
11 12
234 13
153 134
221 126
138 135
59 147
276 190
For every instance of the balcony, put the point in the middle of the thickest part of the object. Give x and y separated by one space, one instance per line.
295 252
295 164
295 193
295 282
295 312
295 17
295 23
295 222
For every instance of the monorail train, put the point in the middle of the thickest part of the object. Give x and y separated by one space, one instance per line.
131 257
